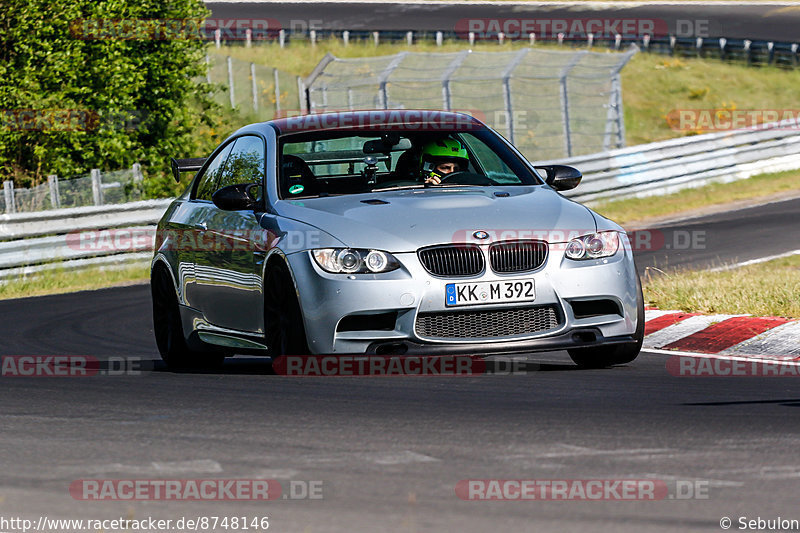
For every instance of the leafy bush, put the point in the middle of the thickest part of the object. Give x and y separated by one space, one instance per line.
69 103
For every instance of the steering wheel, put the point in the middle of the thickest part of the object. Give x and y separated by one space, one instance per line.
463 177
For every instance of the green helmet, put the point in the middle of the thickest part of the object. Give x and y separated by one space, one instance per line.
442 150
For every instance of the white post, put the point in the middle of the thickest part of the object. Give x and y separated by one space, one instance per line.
97 187
439 38
230 81
138 177
410 38
248 36
346 37
276 76
646 41
301 91
590 40
532 38
560 39
313 36
254 86
472 38
55 199
617 41
8 194
282 38
376 37
218 37
501 37
208 69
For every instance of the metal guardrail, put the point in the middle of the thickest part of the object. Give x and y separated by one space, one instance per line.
753 52
668 166
46 240
32 242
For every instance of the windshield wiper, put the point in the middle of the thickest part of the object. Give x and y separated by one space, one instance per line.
399 187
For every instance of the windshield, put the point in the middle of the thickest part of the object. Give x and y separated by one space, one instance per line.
333 163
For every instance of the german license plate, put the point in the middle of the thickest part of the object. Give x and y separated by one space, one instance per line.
512 290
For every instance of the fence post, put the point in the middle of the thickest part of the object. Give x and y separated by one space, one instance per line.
208 69
97 187
8 194
302 95
55 198
376 37
532 39
277 91
508 104
346 37
447 103
312 34
410 38
254 86
230 81
138 177
565 101
218 37
439 38
722 42
472 38
282 38
248 35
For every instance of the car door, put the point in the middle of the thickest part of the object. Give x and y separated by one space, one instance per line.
194 242
228 268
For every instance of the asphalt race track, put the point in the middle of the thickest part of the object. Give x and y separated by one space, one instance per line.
389 451
737 20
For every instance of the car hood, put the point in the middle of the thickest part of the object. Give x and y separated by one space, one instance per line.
412 218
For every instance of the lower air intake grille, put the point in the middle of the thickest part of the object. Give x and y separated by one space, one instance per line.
485 324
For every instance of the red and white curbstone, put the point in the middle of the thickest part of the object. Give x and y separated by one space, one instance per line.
722 334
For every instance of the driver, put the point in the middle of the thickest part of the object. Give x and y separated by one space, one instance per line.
440 158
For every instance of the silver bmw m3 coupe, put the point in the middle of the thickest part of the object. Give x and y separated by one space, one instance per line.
394 232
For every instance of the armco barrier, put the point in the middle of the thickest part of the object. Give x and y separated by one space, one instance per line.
668 166
30 242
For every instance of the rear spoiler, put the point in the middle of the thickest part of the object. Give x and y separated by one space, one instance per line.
185 165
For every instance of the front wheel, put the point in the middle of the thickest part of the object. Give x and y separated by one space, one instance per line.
605 356
283 320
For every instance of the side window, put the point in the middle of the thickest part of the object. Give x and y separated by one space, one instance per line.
208 181
245 163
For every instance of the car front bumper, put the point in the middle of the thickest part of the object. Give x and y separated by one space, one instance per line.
327 298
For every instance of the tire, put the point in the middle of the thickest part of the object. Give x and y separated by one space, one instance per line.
168 329
284 332
605 356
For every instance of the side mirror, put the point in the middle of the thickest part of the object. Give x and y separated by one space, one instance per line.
562 177
236 197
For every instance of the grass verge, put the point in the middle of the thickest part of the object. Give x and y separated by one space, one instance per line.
765 289
761 186
59 281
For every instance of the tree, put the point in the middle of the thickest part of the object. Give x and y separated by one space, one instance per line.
100 84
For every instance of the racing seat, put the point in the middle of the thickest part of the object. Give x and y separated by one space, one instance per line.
297 179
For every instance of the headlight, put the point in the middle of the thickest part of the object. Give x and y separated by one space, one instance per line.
593 246
354 260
